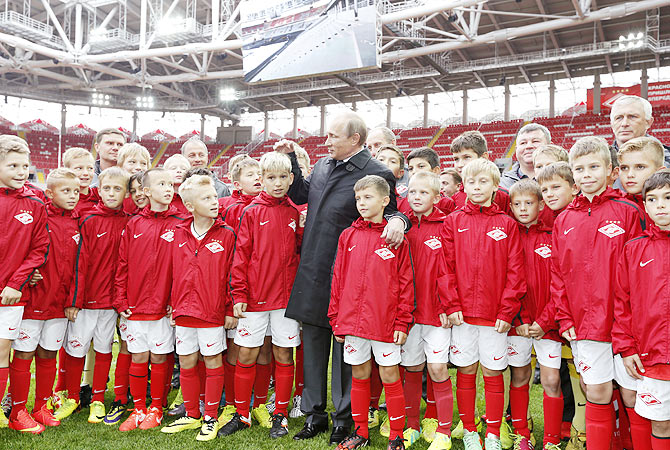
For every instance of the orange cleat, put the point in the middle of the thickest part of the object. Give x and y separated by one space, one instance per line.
45 417
25 423
134 420
153 419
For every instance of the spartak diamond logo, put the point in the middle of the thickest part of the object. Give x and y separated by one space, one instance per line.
243 332
648 399
25 218
583 367
433 243
23 336
168 236
611 230
496 235
511 351
214 247
349 349
384 253
76 238
453 349
544 251
292 225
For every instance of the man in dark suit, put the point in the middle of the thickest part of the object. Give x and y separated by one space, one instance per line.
331 208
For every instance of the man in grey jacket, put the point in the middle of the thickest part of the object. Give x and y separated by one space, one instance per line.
529 138
195 150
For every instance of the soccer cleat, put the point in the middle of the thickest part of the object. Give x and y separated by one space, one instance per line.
279 426
472 441
396 444
182 424
428 429
97 412
115 412
85 395
410 436
262 416
577 440
45 417
6 404
531 424
296 411
153 419
227 414
3 419
237 423
134 420
506 435
57 399
441 442
353 441
373 417
385 427
459 431
177 407
209 429
270 404
25 423
522 442
492 442
550 446
66 409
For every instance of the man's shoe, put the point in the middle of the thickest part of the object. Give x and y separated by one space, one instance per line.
134 420
472 441
97 412
428 429
522 443
153 419
115 412
209 429
338 434
25 423
309 431
178 411
396 444
237 423
506 435
85 395
410 436
66 409
45 417
279 426
353 441
262 416
492 442
227 414
296 411
441 442
373 417
182 424
385 427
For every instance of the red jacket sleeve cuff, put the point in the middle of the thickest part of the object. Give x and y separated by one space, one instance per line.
564 326
628 352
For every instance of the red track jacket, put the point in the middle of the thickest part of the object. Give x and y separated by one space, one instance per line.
372 292
143 276
87 203
639 202
97 258
231 213
501 199
267 252
201 273
484 264
587 240
225 202
24 241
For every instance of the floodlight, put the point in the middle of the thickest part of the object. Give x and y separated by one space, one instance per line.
227 95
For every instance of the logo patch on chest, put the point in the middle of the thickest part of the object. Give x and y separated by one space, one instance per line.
292 225
384 253
25 218
214 247
544 251
168 235
433 243
611 230
497 234
76 238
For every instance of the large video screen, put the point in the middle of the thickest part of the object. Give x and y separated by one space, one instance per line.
298 38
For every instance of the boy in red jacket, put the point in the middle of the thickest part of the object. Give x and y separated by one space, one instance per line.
201 304
89 306
371 305
486 281
536 309
639 333
43 326
266 260
81 161
24 245
588 238
142 293
224 202
429 339
639 159
425 159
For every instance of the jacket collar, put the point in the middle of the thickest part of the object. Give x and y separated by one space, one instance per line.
435 216
54 210
266 199
538 227
147 212
581 202
362 224
471 208
654 232
359 160
20 193
218 223
102 210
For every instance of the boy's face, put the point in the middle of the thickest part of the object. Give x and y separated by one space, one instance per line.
137 194
160 189
480 189
112 192
591 174
304 167
448 186
543 160
65 194
557 193
657 205
634 169
205 203
421 197
14 170
526 207
465 156
134 165
370 204
391 160
277 183
416 165
178 170
250 181
85 170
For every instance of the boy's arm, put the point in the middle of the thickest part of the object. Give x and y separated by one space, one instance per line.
335 286
37 253
622 341
452 300
121 278
77 290
515 283
299 190
406 302
239 282
442 282
559 297
227 299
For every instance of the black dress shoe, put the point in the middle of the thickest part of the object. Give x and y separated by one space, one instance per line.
309 431
339 434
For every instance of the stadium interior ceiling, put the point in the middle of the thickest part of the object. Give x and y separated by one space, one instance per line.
182 54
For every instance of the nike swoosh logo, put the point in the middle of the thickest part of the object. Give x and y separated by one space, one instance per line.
209 345
554 356
58 341
642 264
102 234
436 352
460 230
498 358
396 418
137 235
12 329
158 345
444 424
351 248
386 354
182 244
212 403
568 230
263 223
292 337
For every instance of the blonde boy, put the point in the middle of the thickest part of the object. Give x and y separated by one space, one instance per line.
133 158
177 165
547 154
81 161
393 158
224 202
639 158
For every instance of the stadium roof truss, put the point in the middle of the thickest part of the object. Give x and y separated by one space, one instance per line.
181 53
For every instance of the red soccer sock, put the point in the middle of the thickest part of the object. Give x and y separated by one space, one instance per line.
494 394
19 384
431 409
412 393
121 377
213 389
202 378
518 400
283 386
168 378
138 384
553 418
375 386
599 425
100 373
660 443
262 383
60 382
466 393
73 369
299 371
444 402
158 388
360 401
230 382
45 374
244 384
395 406
640 430
190 390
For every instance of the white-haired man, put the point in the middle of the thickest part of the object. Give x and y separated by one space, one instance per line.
195 150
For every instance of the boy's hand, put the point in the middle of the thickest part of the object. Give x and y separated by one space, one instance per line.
10 296
126 314
172 321
536 331
502 326
399 337
285 146
239 310
570 334
303 219
456 318
339 339
522 330
230 323
394 232
71 313
444 320
37 277
168 313
633 366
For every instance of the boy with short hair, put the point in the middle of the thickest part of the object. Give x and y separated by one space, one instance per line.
482 243
450 182
587 240
143 280
81 161
393 158
639 333
136 200
372 318
224 202
177 165
548 154
639 159
201 304
133 158
557 185
425 159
